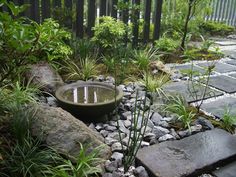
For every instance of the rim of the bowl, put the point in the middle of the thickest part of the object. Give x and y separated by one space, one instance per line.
88 83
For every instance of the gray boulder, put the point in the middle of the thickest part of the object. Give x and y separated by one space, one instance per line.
61 131
44 76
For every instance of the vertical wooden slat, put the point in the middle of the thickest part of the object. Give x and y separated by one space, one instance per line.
234 21
102 8
224 10
68 7
114 9
125 13
34 10
220 17
79 18
91 17
45 5
217 11
157 19
57 3
146 28
231 12
135 19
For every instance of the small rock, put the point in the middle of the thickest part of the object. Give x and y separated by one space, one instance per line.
104 133
164 124
126 115
99 127
109 127
110 79
150 123
166 137
115 135
156 118
109 141
206 124
100 78
127 123
174 134
145 144
149 136
160 131
52 101
184 133
116 156
153 141
122 127
92 126
111 166
140 172
116 147
196 128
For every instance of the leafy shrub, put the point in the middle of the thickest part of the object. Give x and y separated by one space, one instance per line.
216 28
24 42
109 33
166 44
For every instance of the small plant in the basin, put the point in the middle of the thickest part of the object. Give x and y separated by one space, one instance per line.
229 121
178 106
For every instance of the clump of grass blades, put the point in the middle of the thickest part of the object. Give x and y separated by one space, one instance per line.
87 164
178 106
85 69
228 121
154 83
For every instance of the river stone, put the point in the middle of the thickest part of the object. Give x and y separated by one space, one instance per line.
61 131
44 76
224 83
188 156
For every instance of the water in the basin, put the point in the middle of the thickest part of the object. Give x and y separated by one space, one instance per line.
88 94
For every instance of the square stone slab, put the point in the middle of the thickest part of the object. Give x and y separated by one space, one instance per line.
218 107
232 55
184 88
226 171
224 83
189 156
219 67
231 62
185 68
233 75
226 42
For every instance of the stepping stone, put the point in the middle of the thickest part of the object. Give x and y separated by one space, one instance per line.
233 55
224 83
184 88
226 171
226 42
231 62
233 75
218 107
184 69
189 156
219 67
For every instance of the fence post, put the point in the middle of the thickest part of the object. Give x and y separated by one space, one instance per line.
157 19
80 18
114 9
35 10
91 17
135 18
45 5
146 27
102 9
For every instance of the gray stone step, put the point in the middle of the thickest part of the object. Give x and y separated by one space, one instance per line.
219 67
226 171
188 157
184 88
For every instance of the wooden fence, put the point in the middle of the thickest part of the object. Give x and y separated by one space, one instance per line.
223 11
85 13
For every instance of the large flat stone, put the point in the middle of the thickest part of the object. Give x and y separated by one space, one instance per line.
188 157
226 171
186 68
219 106
224 83
231 62
226 42
219 67
184 88
233 75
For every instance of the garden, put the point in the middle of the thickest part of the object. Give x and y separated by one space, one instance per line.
146 89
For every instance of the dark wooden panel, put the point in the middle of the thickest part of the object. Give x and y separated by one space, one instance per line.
114 9
102 8
91 16
79 18
68 8
135 19
157 19
34 10
125 13
147 13
45 6
57 3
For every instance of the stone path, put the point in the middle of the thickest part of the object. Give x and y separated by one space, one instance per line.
195 154
189 156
